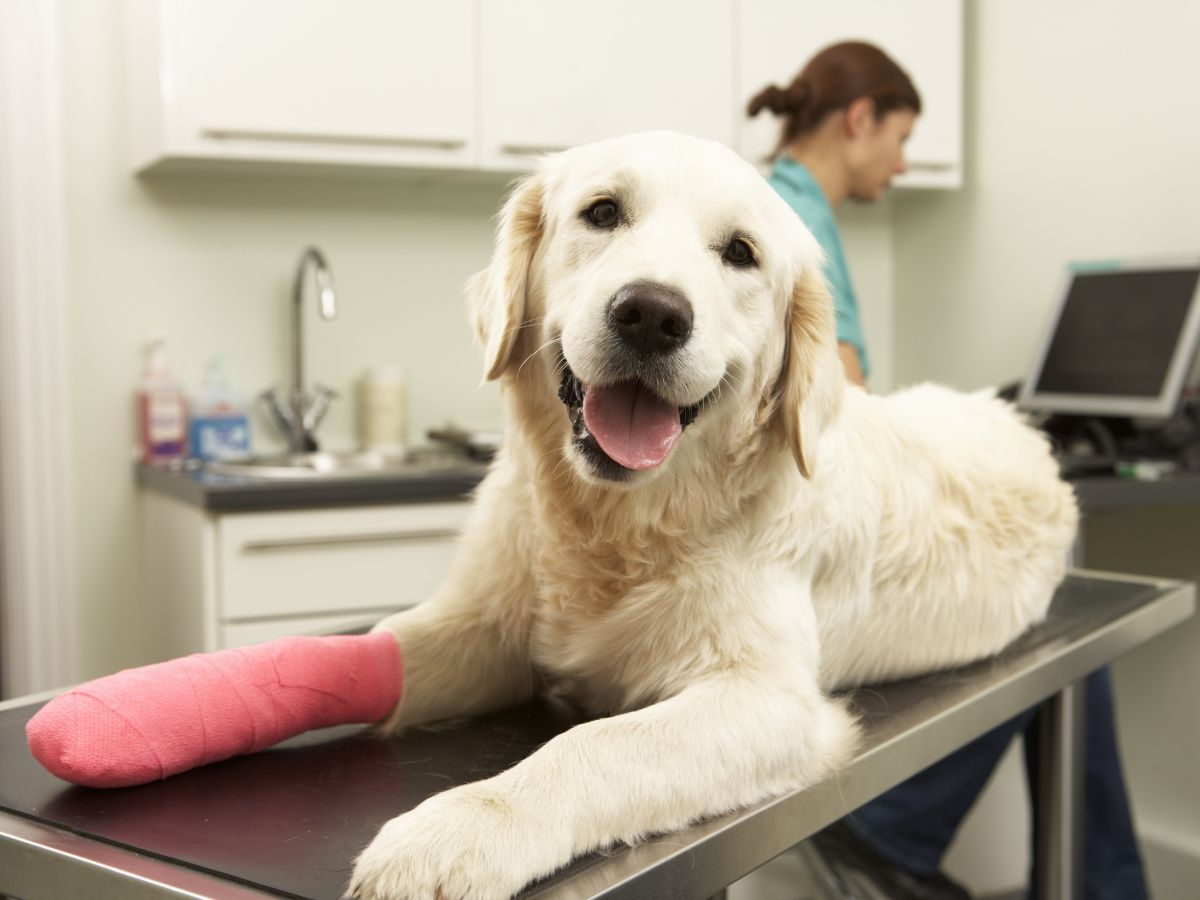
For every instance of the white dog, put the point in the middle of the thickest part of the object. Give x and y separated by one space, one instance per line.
695 527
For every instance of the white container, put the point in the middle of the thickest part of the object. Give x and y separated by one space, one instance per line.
383 409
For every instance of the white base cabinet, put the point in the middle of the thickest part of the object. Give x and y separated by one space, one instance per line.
225 580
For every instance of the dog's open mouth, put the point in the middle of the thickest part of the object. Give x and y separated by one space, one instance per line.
623 426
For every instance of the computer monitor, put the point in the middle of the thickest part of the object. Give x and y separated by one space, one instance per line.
1121 341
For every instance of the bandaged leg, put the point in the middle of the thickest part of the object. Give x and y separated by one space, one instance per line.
144 724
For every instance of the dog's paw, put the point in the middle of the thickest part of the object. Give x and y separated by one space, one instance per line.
468 843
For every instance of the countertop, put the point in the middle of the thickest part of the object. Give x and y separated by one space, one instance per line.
289 821
1105 493
225 493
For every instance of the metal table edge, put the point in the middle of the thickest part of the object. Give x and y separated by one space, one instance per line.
37 860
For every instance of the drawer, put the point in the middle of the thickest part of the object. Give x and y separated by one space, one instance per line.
306 563
239 634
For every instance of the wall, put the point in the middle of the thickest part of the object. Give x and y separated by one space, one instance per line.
1082 143
867 235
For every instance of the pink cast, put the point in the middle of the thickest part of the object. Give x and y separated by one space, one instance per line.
149 723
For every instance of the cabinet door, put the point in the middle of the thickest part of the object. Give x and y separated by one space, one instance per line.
386 81
557 73
333 562
924 36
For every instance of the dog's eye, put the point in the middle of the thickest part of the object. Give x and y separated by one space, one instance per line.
738 253
603 213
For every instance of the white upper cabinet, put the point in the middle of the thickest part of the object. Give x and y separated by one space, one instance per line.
387 82
776 38
490 84
558 73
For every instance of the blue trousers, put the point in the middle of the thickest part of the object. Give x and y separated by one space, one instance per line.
913 824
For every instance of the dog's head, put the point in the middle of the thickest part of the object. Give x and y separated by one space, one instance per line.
661 290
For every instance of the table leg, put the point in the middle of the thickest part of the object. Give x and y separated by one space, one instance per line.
1058 805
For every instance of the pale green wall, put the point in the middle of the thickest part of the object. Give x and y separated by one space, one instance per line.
1082 142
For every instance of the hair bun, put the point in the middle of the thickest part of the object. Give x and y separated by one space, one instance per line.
798 93
770 98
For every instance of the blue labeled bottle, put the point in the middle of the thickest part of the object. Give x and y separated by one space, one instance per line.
220 427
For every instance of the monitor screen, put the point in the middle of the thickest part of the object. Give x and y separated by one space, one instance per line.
1121 343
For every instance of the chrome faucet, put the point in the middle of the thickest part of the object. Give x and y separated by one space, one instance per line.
295 412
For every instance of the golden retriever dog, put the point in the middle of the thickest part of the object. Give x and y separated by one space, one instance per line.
695 528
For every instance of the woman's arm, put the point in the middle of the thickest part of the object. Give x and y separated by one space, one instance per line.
849 357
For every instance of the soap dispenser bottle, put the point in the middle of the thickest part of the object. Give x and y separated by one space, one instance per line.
161 408
219 427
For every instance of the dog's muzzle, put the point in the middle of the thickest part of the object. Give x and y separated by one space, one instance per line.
623 427
624 424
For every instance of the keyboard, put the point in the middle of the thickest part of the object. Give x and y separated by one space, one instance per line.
1072 466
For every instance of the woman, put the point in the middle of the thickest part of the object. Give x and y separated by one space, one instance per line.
846 117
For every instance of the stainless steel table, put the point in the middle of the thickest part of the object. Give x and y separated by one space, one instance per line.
289 821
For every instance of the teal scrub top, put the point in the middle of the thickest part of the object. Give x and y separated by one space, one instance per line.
795 184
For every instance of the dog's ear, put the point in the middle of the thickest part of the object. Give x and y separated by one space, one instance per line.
812 380
496 296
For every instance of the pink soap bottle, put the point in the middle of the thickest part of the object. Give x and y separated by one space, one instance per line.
161 409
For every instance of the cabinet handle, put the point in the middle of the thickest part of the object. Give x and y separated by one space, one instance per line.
303 543
301 137
532 149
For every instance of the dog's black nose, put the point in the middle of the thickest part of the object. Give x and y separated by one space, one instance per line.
651 318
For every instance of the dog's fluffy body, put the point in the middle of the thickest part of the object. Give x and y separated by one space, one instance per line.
801 535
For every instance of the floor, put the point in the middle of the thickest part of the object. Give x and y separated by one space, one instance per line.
798 874
786 877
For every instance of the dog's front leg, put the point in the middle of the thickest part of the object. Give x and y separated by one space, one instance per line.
458 661
465 650
719 744
461 655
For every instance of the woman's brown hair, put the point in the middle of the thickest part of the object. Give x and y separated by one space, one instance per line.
832 80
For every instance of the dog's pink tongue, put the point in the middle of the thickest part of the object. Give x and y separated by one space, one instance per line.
631 424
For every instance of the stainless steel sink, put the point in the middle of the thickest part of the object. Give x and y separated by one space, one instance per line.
355 464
